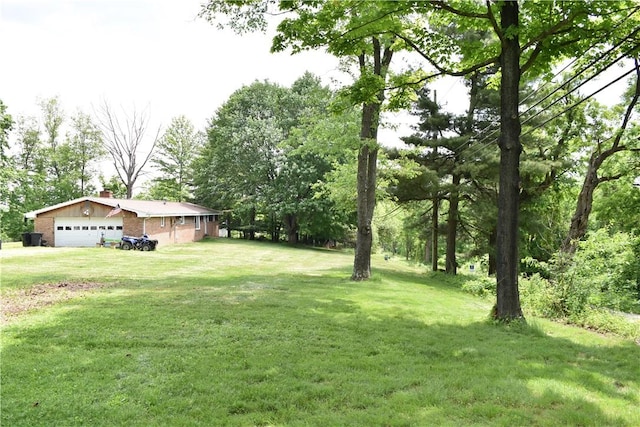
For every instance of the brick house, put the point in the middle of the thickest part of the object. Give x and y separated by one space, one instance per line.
83 221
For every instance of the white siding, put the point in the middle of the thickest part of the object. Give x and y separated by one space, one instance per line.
86 231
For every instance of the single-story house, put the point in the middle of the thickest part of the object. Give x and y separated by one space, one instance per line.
84 221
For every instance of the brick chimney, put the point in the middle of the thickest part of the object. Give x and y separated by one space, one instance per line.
106 193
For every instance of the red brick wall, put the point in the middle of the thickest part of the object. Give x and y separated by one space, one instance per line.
45 226
172 231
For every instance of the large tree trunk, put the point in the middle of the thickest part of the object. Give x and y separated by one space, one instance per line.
508 299
451 264
580 219
367 164
367 168
291 224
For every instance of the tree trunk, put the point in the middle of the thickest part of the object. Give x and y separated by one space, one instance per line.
580 219
508 299
252 223
434 233
275 229
451 264
291 224
367 158
129 186
367 162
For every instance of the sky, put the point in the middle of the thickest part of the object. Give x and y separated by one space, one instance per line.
152 55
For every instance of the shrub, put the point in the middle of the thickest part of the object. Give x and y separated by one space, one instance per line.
604 273
541 298
530 266
603 320
480 285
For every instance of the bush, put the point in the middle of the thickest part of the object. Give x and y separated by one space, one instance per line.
592 288
541 298
481 286
530 266
604 273
606 321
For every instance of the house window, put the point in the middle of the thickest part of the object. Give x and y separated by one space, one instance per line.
161 221
180 220
197 219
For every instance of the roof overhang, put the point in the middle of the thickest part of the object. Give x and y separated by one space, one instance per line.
141 208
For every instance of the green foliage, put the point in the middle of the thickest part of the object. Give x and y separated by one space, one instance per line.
6 124
604 272
83 149
594 287
482 286
237 333
243 15
269 158
530 266
541 298
115 185
617 205
6 167
174 159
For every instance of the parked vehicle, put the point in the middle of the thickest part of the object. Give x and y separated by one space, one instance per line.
143 243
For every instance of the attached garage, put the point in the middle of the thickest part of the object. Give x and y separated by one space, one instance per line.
84 221
83 231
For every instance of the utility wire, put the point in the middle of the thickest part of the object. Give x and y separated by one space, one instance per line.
609 65
588 65
481 145
581 101
480 142
593 62
487 135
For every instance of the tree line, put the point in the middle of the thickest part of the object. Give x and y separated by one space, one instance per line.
512 182
515 43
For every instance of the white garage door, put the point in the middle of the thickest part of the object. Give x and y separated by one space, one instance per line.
86 231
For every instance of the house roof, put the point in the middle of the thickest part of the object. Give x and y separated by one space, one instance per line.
142 208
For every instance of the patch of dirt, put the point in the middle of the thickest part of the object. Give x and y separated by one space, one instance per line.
15 303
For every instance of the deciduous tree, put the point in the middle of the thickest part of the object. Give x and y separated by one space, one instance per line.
125 135
352 30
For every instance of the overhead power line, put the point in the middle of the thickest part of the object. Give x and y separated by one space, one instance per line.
581 101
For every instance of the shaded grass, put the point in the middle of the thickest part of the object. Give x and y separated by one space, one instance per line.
226 333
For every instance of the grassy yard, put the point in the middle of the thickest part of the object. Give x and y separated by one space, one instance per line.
237 333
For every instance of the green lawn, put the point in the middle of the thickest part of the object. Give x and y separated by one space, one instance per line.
240 334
